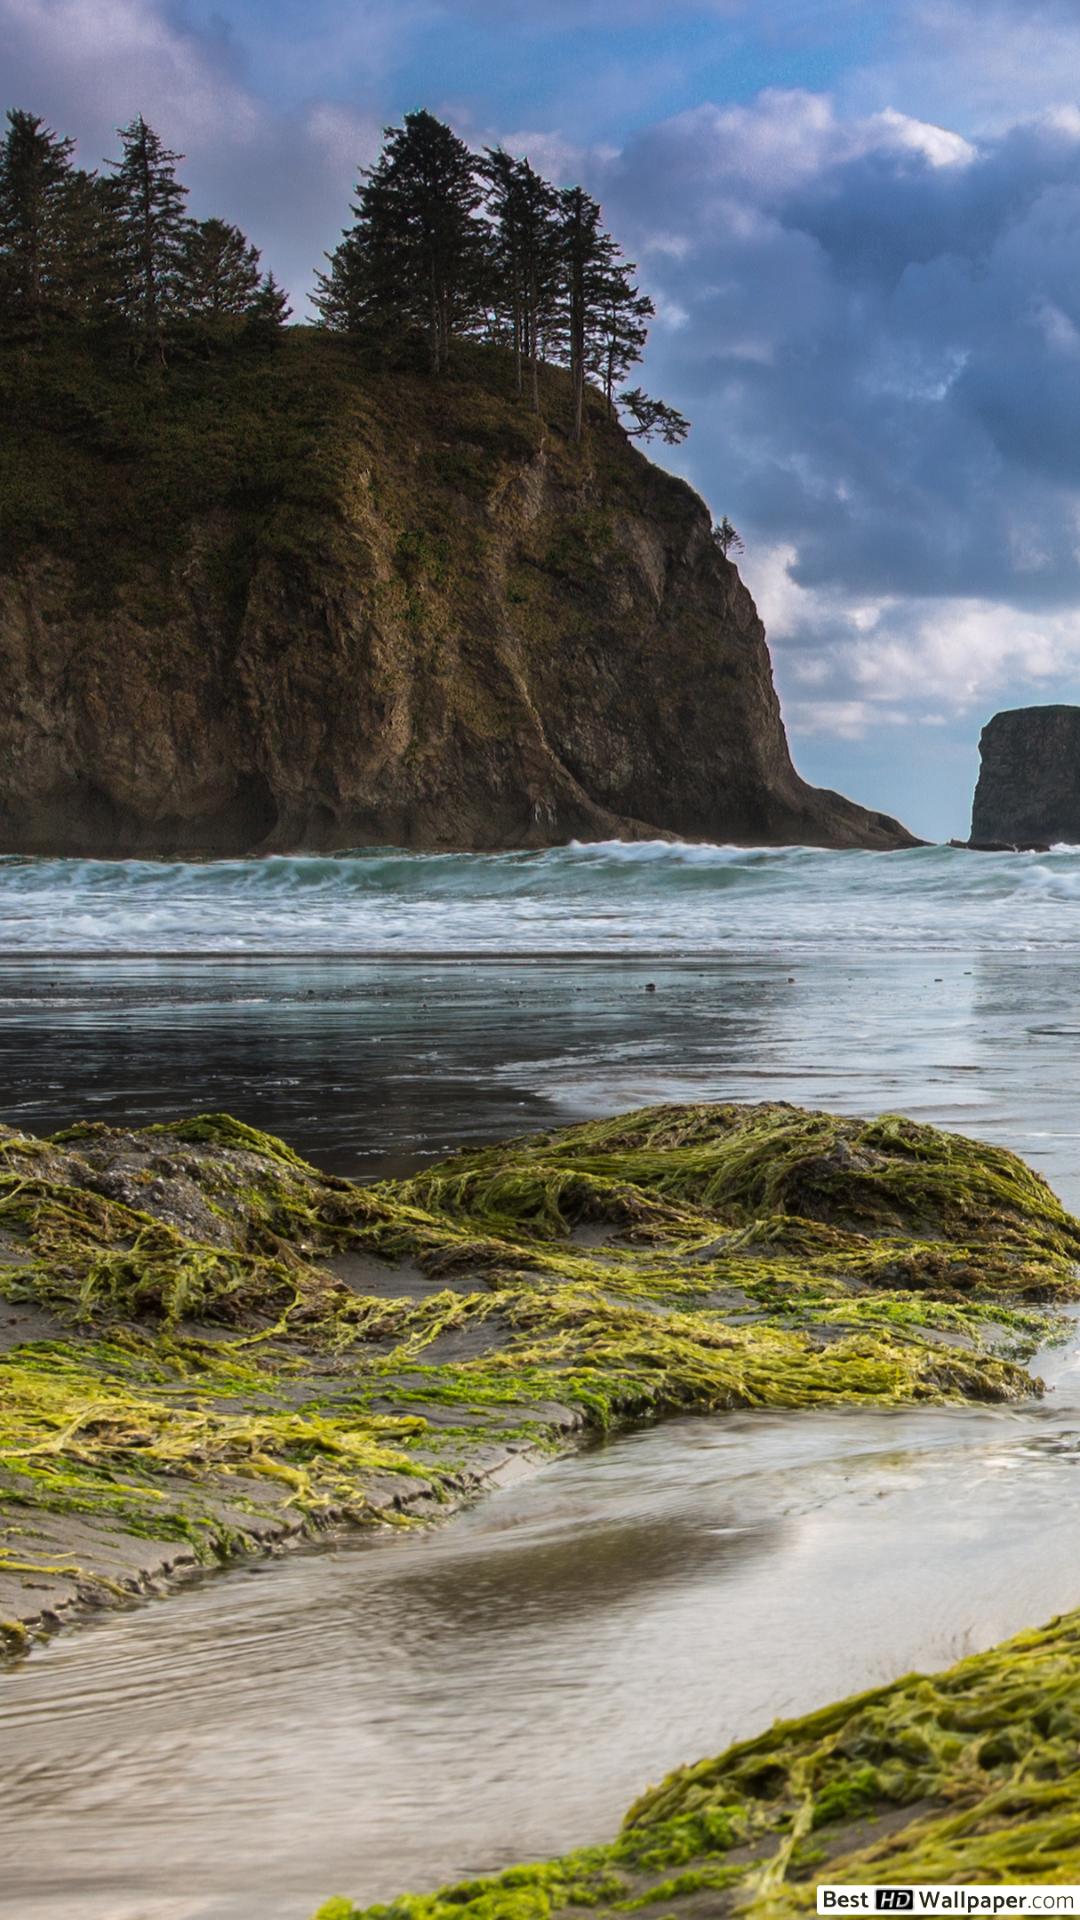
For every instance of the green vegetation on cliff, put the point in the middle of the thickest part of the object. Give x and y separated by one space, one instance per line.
261 602
400 579
446 246
112 473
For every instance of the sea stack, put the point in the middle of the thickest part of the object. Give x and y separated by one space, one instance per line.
390 609
1028 794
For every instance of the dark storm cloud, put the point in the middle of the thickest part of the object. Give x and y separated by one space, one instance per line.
877 329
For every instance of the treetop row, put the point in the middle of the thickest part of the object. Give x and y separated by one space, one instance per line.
444 245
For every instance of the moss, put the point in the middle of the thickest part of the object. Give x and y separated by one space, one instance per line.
867 1199
213 1368
978 1769
109 1433
15 1638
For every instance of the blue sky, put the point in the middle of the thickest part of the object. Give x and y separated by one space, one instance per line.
861 226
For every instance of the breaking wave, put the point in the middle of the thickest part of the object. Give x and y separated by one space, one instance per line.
603 897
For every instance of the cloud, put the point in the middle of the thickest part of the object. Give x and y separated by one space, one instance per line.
850 667
981 63
879 347
285 174
868 301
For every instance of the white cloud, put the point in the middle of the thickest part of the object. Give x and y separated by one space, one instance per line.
842 719
983 63
938 145
110 59
847 667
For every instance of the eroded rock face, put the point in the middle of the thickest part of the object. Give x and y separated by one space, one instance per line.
1028 793
466 633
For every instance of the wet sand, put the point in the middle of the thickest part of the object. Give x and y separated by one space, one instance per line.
398 1712
374 1068
390 1714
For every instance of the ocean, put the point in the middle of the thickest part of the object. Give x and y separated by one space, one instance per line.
379 1008
604 897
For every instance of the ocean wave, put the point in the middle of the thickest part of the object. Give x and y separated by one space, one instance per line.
641 895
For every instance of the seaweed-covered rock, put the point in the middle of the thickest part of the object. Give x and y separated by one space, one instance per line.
971 1775
205 1341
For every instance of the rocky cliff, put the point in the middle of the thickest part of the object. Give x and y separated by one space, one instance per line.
1028 794
289 602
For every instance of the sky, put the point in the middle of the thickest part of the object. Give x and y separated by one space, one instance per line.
860 224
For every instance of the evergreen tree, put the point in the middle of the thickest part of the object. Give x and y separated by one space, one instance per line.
267 312
414 258
652 417
617 322
344 297
505 275
726 538
94 252
153 226
218 272
524 257
584 253
36 197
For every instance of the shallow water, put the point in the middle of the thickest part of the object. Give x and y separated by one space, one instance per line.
396 1712
374 1067
392 1714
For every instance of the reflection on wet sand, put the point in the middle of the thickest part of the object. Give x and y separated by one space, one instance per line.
403 1711
399 1712
374 1068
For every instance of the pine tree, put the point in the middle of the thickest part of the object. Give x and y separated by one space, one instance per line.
414 258
727 539
218 272
36 192
94 253
345 298
505 275
582 248
618 320
150 208
267 312
653 417
524 257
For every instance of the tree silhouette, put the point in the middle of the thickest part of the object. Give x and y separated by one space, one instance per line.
36 202
414 257
154 229
652 418
524 267
727 539
218 271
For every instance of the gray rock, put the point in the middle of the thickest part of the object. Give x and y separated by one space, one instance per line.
1028 795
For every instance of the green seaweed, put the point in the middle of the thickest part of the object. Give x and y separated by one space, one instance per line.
970 1775
212 1371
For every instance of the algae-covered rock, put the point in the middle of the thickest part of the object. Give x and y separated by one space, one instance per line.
971 1775
205 1341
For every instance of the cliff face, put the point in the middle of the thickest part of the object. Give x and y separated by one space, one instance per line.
1028 792
296 605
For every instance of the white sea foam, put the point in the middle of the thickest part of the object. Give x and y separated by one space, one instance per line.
586 897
